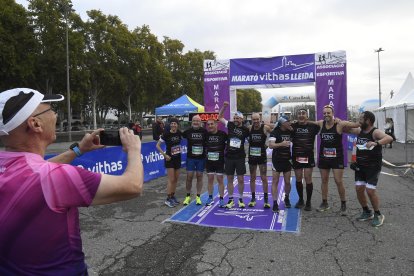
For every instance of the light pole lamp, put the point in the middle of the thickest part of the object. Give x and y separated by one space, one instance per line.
379 75
67 8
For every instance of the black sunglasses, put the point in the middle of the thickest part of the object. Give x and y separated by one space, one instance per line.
44 111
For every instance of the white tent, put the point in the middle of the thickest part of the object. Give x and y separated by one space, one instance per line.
401 109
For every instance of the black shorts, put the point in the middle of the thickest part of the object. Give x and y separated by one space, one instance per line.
298 165
331 163
282 165
237 165
174 163
258 160
215 167
367 175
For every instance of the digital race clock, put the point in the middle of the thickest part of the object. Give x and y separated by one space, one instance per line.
205 116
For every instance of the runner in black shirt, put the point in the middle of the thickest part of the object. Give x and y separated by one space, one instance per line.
303 156
196 157
258 157
235 154
280 142
215 146
369 161
331 156
172 139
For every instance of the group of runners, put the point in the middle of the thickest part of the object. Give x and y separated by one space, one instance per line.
220 153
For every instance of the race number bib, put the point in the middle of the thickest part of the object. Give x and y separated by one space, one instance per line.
255 151
329 152
303 160
235 143
175 150
213 156
197 150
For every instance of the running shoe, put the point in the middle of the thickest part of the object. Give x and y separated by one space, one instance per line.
230 204
221 203
366 215
241 203
266 205
275 208
210 201
343 209
378 220
175 201
169 203
300 204
308 207
187 200
287 202
198 200
323 207
252 203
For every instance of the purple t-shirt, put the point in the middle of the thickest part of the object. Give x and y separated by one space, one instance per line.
39 219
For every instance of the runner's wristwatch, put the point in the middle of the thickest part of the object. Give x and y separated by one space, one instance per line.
76 150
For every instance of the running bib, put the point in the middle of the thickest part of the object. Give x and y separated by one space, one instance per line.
213 156
235 143
255 151
197 150
303 160
175 150
329 152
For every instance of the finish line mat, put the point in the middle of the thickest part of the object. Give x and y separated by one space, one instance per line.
252 218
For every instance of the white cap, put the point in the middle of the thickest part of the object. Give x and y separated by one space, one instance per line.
16 105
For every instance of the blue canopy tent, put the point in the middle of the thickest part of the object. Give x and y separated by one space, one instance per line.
181 106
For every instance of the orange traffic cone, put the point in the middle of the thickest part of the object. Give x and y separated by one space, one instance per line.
353 158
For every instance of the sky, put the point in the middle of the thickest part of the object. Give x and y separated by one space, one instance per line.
267 28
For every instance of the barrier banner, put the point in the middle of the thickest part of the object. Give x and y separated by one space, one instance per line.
113 160
273 70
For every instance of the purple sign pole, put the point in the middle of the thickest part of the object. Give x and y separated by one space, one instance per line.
216 85
331 86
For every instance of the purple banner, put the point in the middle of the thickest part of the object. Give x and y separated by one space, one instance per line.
273 70
254 218
216 85
331 86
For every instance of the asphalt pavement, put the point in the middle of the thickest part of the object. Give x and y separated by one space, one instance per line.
130 238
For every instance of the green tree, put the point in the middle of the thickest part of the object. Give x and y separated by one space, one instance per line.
17 46
193 84
249 100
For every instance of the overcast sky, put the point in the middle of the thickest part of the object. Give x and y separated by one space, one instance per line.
265 28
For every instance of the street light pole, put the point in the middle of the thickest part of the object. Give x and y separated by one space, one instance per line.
379 75
67 76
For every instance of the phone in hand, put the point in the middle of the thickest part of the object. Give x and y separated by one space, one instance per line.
110 138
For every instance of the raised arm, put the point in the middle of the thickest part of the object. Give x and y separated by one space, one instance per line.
128 185
221 113
88 143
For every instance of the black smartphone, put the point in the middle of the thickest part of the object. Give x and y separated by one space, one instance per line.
110 138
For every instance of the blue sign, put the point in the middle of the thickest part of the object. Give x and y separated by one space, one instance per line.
273 70
113 160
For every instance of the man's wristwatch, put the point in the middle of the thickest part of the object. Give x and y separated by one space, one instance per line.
76 150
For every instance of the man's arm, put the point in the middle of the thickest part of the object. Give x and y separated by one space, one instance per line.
345 125
318 123
89 142
221 113
113 188
380 138
274 145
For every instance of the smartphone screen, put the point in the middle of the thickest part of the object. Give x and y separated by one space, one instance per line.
110 138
